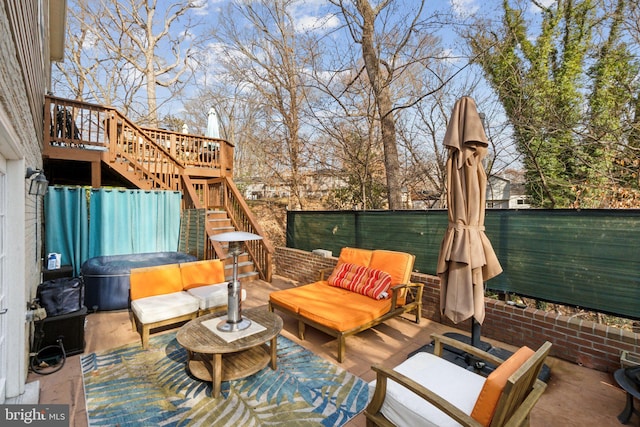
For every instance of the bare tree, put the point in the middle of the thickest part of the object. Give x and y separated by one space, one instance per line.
392 44
89 72
346 139
121 47
238 120
262 50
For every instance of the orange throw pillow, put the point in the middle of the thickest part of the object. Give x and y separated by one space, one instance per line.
366 281
488 398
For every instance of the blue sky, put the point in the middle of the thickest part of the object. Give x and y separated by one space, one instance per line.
319 15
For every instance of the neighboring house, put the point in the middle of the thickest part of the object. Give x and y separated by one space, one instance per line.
32 36
425 199
499 195
518 198
257 189
498 191
321 183
317 185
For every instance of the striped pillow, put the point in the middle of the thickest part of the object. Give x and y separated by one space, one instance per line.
363 280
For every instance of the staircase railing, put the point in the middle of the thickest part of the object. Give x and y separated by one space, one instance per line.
134 154
223 193
195 197
261 251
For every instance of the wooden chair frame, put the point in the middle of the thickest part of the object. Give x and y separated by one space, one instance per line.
522 391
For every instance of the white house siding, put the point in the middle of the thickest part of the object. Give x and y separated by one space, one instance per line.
24 69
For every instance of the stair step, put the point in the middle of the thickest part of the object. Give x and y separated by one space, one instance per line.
245 277
219 220
240 265
217 213
220 230
219 223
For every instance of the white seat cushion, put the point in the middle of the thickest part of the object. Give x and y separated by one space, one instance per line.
453 383
213 295
162 307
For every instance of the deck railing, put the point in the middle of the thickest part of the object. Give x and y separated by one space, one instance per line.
80 125
222 193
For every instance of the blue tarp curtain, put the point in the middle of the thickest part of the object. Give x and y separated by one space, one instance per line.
67 227
119 222
133 221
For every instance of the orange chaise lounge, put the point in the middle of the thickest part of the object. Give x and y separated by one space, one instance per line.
366 288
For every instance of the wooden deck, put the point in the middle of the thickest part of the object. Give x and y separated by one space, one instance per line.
576 396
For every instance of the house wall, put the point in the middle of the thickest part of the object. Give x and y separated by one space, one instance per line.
576 340
24 77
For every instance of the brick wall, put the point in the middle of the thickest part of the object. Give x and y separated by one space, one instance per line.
301 266
576 340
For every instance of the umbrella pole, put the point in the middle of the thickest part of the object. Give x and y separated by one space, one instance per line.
475 333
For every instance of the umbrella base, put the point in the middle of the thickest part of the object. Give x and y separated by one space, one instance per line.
469 362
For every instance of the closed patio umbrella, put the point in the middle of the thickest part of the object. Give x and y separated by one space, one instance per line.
466 258
213 128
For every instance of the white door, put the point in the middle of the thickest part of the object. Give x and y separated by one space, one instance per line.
3 284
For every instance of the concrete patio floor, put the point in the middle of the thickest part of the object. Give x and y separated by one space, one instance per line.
576 396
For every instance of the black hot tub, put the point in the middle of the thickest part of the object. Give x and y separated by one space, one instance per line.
106 278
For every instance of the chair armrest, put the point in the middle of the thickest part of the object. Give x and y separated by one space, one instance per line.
409 288
521 414
384 374
323 271
441 340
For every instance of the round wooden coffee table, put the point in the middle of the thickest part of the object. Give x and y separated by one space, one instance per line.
211 358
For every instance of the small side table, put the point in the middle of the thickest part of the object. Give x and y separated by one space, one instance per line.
210 358
632 390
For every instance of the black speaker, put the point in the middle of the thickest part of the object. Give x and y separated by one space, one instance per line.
69 327
64 271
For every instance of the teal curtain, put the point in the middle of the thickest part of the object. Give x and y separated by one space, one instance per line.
67 226
133 221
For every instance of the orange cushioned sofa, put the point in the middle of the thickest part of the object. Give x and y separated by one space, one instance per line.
366 288
173 293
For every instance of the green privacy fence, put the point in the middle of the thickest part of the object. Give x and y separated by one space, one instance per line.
586 258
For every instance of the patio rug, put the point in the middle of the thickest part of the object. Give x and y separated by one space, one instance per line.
132 387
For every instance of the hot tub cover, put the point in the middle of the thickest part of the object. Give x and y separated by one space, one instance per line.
118 264
106 278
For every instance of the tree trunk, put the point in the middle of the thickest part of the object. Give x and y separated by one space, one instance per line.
384 104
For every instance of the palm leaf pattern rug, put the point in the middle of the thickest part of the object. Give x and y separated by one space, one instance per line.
132 387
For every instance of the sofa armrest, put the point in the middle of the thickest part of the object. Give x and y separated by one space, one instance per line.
399 293
322 273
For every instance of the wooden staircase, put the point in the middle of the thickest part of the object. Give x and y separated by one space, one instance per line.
155 159
217 222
